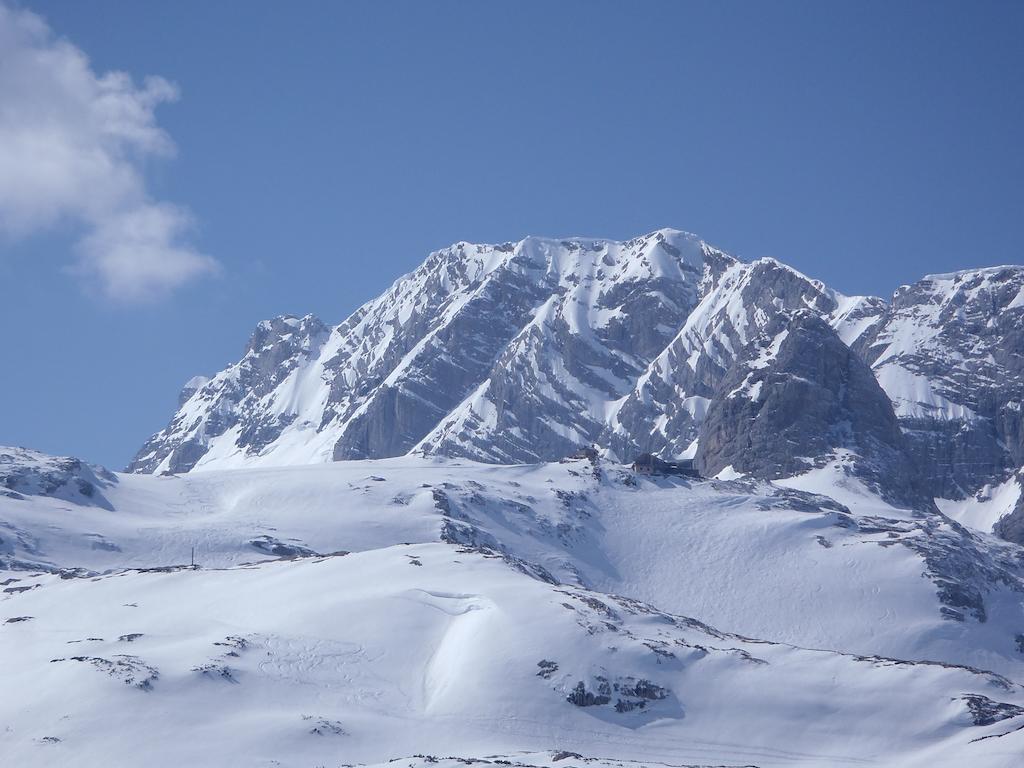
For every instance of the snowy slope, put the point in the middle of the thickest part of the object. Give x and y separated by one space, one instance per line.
432 649
362 611
860 575
25 473
380 575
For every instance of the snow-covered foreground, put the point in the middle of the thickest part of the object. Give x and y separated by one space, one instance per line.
437 649
364 611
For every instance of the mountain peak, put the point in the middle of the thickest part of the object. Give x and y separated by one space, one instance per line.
522 352
1000 272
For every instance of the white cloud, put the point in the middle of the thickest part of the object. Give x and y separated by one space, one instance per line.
72 146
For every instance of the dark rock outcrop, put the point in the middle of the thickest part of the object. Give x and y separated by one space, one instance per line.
798 398
950 354
24 472
1011 525
664 412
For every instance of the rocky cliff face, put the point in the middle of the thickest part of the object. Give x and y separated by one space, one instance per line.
525 351
514 352
949 352
797 398
551 388
664 411
1011 525
243 405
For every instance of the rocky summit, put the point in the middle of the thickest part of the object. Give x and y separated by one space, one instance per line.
524 352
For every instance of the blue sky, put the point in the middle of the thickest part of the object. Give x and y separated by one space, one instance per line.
298 157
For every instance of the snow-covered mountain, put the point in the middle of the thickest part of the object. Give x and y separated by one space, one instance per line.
950 355
401 549
527 351
508 353
514 352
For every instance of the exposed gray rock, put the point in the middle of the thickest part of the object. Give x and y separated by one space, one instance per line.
663 413
512 352
950 354
798 397
601 325
235 398
215 671
985 711
191 387
507 353
437 357
526 351
547 668
1011 525
269 545
130 670
581 696
25 472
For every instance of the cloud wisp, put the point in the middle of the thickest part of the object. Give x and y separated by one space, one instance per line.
72 148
